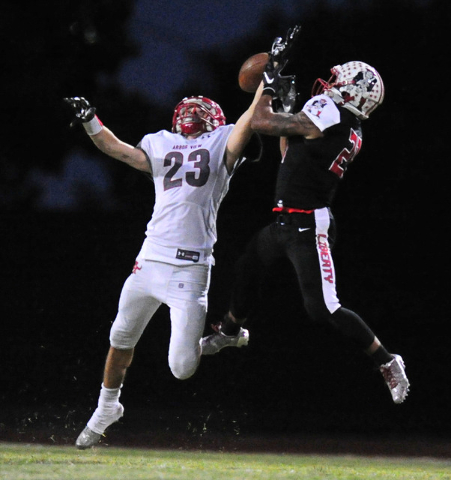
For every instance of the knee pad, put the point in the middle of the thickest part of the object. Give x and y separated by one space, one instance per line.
121 339
184 367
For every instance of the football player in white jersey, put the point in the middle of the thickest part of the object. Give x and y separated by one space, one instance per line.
191 168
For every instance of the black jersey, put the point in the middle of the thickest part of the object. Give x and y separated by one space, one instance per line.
311 169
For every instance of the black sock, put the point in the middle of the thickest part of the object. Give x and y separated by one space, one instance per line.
381 356
229 327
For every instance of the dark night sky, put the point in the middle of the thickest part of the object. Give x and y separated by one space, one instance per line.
167 31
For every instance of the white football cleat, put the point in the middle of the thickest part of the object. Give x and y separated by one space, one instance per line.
395 377
217 341
88 437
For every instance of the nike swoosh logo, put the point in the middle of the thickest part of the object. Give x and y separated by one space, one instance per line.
303 229
267 79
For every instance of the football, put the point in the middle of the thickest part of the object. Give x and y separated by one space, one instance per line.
251 72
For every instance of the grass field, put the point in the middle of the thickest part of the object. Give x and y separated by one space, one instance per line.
42 462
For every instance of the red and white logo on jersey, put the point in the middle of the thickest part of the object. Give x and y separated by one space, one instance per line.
136 267
317 106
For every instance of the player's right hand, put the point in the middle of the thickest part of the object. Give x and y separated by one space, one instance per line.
280 48
82 109
270 78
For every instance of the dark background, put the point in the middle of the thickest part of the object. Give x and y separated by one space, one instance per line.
72 222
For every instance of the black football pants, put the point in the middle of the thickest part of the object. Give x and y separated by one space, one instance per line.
306 240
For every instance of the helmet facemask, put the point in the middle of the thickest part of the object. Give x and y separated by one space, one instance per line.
196 115
355 86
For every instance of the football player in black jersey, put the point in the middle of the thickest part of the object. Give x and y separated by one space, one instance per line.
317 145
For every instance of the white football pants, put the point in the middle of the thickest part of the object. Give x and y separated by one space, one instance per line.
184 289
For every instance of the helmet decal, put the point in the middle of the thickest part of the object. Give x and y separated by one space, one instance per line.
355 86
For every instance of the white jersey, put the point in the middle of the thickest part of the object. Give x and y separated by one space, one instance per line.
191 179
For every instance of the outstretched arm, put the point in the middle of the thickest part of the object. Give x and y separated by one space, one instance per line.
281 123
103 138
241 133
108 143
267 122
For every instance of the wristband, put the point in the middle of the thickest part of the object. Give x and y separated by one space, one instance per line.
94 126
268 91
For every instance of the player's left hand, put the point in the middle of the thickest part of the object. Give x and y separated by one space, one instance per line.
286 95
84 112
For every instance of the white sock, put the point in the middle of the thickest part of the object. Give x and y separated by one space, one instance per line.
109 396
108 410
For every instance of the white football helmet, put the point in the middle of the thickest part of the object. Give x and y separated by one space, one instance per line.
194 115
355 86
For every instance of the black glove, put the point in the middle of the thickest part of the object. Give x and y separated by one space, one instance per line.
82 109
271 77
280 49
281 88
286 96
